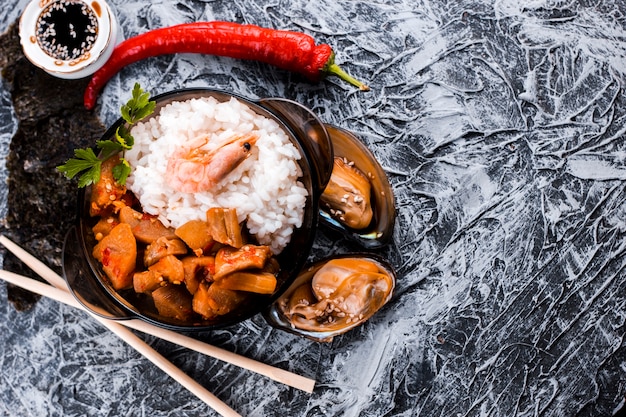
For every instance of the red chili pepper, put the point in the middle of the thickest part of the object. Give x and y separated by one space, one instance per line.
292 51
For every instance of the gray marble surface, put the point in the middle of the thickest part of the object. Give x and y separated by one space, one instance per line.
501 125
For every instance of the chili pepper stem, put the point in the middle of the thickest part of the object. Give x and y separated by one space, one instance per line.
334 69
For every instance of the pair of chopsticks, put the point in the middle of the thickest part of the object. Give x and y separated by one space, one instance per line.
59 291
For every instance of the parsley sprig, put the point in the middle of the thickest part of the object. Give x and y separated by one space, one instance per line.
88 165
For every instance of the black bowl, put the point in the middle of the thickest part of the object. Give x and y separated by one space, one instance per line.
88 282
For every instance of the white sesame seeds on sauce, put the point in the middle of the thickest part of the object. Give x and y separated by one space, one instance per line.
67 29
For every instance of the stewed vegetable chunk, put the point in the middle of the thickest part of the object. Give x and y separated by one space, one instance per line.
211 300
229 259
224 226
200 269
117 252
173 301
197 235
161 248
146 228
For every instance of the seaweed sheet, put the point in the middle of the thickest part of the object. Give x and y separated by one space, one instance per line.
51 123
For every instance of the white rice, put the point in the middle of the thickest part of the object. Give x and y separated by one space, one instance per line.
264 189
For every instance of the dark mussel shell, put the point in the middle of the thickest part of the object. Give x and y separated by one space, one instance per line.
380 230
333 295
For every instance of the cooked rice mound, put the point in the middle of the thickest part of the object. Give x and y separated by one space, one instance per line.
264 189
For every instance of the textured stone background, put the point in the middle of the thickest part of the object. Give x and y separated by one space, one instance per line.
501 125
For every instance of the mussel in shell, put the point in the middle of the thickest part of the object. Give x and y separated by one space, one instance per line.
358 200
333 296
348 195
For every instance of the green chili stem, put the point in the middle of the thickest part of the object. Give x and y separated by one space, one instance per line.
334 69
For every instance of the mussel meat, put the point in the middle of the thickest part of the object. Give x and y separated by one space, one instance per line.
333 296
358 200
347 195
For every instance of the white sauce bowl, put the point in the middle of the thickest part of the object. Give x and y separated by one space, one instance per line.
107 35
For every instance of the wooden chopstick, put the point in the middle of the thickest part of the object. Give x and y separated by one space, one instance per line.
129 337
277 374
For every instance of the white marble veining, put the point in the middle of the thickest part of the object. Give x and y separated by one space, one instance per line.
501 125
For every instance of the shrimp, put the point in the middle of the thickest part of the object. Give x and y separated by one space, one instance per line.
194 169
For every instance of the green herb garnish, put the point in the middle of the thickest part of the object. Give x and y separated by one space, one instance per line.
87 164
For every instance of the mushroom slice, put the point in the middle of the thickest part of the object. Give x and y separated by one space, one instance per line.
161 248
258 282
197 269
229 259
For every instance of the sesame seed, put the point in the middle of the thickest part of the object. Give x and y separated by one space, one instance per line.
66 29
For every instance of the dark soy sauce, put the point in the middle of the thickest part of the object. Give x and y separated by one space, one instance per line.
67 29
